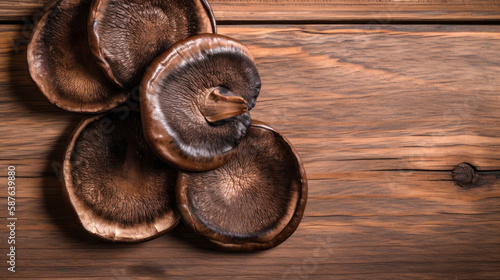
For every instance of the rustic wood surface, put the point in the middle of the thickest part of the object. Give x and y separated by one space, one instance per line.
380 115
380 11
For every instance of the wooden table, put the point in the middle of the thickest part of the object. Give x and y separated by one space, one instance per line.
380 98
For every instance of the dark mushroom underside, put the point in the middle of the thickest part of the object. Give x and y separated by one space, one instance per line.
127 35
255 201
111 172
62 64
175 88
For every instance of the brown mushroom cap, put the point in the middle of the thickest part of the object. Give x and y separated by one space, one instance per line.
255 201
126 35
185 93
62 65
119 189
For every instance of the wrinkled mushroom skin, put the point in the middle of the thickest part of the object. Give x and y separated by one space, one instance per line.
126 35
120 190
255 201
62 65
176 88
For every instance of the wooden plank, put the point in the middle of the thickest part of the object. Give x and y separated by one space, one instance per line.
379 116
401 97
373 11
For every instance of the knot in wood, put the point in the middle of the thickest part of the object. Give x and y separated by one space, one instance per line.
465 175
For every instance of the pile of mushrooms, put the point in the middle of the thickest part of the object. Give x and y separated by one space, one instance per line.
192 151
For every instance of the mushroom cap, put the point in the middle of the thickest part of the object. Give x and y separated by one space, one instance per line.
119 189
255 201
62 65
126 35
173 92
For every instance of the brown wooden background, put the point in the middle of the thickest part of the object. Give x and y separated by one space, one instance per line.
381 99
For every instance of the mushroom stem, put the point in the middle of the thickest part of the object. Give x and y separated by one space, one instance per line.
217 106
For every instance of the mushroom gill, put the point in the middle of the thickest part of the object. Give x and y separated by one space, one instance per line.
119 189
126 35
62 65
195 100
255 201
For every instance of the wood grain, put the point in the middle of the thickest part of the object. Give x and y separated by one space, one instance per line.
379 116
374 11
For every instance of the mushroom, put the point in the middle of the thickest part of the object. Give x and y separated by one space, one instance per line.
119 189
62 65
195 99
126 35
255 201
